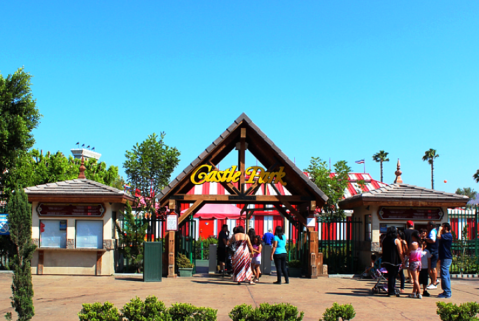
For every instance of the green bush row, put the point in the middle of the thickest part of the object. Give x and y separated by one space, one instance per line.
149 310
153 310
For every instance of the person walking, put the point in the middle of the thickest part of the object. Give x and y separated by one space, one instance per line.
432 246
392 257
415 265
256 261
268 237
279 254
222 251
408 237
242 256
445 243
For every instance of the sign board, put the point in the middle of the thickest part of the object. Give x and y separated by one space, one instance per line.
204 174
73 210
4 229
411 213
172 222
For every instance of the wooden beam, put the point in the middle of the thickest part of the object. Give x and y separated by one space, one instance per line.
242 158
190 198
293 211
197 205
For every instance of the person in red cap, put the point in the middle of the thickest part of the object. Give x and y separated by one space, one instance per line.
408 233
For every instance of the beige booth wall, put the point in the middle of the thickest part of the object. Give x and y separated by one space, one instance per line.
76 261
372 246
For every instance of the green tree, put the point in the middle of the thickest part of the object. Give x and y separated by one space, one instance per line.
148 167
332 185
467 191
18 117
132 235
381 157
35 168
20 222
476 176
429 156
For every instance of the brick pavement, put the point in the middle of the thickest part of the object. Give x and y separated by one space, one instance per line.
59 298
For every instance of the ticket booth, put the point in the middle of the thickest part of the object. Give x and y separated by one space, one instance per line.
394 205
73 226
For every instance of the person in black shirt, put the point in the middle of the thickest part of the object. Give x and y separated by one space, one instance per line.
393 256
222 241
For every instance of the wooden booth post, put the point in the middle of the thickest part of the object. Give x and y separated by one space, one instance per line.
170 242
313 268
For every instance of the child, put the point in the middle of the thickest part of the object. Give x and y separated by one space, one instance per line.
423 275
370 268
256 261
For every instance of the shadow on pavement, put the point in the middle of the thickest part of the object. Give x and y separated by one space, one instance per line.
225 282
130 279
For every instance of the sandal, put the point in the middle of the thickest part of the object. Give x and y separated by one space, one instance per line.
252 283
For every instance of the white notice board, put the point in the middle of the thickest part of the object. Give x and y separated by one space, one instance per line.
172 222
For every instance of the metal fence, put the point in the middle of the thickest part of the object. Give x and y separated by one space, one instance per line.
465 247
339 243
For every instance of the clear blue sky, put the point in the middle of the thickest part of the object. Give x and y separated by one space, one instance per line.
335 79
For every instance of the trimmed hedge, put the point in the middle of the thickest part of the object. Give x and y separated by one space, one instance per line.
266 312
465 312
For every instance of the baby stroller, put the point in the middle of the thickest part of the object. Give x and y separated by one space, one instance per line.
381 286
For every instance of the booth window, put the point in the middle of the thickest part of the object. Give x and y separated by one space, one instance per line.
53 233
367 227
89 234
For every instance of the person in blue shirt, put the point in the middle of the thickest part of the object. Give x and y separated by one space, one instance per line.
445 243
279 254
268 237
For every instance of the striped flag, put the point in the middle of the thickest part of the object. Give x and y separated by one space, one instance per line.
360 161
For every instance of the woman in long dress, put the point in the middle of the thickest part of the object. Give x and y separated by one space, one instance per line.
242 257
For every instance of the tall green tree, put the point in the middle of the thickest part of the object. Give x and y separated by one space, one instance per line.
35 168
20 223
476 176
467 191
148 167
18 117
381 157
429 156
332 185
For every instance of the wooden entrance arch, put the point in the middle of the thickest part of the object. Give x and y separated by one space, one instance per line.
244 135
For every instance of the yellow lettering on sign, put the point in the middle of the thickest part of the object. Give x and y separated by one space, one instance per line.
232 176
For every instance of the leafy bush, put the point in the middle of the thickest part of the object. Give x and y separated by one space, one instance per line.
183 262
99 312
451 312
150 310
266 312
343 311
294 264
205 243
186 312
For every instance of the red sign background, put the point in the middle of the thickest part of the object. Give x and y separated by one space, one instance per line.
52 209
410 213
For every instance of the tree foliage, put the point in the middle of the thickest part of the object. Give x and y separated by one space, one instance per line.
148 167
467 311
476 176
20 222
381 157
467 191
18 117
132 235
336 312
34 168
429 156
332 185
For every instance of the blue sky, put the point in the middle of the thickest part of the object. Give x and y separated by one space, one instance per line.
339 80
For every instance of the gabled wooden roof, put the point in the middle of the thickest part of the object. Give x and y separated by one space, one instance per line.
404 195
261 147
76 190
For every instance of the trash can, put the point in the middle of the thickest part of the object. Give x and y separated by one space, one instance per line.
152 261
212 260
266 259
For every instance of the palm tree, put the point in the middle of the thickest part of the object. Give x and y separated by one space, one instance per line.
429 156
467 191
476 176
381 157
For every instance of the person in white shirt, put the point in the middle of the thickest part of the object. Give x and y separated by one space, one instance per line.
423 274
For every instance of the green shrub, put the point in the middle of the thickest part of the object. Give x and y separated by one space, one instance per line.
343 311
183 262
99 312
266 312
187 312
465 312
150 310
294 264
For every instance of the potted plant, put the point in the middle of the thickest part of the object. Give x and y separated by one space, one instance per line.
294 268
185 267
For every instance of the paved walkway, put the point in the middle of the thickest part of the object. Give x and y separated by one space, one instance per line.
60 297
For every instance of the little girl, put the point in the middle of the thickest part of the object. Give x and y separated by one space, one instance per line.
256 261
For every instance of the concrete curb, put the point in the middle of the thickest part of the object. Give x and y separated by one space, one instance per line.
6 272
464 276
128 274
348 276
